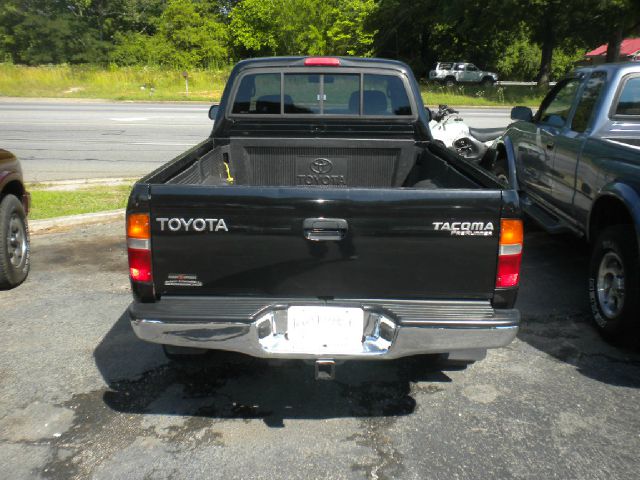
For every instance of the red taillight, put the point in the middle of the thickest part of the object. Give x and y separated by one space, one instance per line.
510 254
322 62
140 265
508 270
139 247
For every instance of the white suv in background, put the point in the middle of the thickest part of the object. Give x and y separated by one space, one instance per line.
450 73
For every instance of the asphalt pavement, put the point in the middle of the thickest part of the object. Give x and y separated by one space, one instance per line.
64 140
81 397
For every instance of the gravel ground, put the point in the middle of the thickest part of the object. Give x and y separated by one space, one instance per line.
81 397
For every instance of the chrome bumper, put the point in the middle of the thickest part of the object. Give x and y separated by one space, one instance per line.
257 327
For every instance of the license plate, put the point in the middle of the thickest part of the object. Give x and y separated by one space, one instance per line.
331 328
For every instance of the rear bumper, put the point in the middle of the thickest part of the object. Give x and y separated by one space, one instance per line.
393 329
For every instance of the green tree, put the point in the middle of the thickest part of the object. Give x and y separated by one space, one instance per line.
617 19
188 34
302 27
46 31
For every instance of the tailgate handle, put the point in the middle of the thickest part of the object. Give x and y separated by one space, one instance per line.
324 229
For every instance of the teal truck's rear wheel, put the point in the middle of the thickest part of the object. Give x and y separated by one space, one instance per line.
614 281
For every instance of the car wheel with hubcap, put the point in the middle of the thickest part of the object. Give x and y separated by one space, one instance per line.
614 281
14 243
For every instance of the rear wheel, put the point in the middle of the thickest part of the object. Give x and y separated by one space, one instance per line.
449 82
487 82
614 281
14 243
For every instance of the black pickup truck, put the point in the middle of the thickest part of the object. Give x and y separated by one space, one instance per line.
320 222
576 164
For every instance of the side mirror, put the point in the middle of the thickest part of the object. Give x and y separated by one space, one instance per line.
213 111
521 113
429 114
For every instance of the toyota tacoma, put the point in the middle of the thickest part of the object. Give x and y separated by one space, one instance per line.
319 221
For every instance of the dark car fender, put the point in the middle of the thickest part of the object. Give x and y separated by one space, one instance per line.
624 193
11 178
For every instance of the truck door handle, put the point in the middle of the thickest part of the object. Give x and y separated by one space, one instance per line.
324 229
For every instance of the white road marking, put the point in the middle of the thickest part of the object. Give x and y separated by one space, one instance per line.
130 119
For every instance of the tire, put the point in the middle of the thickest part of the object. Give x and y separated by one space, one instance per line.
499 169
614 282
450 82
183 354
487 82
15 248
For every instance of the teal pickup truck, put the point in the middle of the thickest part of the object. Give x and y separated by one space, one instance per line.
576 164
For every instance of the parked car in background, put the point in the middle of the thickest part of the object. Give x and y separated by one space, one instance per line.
14 231
450 73
576 163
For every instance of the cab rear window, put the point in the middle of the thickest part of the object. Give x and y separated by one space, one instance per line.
332 94
629 99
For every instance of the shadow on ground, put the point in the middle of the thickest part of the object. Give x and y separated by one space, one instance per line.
556 316
227 385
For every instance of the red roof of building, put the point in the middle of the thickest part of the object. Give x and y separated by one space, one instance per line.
628 47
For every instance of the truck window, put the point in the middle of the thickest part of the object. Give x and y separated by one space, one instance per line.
301 93
321 94
385 95
342 94
587 102
258 94
629 100
557 105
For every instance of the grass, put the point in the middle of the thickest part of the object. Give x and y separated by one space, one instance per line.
475 95
158 84
46 203
122 83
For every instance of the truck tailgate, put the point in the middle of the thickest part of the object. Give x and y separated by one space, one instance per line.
324 243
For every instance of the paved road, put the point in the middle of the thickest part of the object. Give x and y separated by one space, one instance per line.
71 140
81 397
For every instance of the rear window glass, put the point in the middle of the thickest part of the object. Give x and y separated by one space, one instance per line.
258 94
629 100
321 94
301 93
342 94
385 95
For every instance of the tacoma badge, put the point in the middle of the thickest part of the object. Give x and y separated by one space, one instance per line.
466 228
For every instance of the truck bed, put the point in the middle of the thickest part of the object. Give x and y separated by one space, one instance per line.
368 164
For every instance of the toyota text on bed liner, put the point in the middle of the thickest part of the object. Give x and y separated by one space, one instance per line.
319 221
